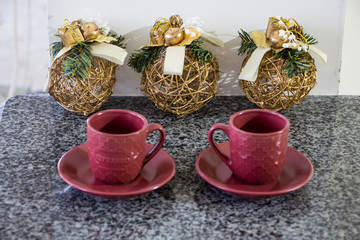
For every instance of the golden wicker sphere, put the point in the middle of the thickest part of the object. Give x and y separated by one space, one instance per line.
181 94
83 96
273 89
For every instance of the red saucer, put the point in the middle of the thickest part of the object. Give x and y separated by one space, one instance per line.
297 171
74 169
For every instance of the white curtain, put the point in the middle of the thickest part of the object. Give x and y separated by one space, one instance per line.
23 46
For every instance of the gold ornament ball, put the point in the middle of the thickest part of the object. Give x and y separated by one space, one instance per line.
272 33
90 31
174 36
275 40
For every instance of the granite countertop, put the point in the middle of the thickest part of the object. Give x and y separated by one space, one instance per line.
36 203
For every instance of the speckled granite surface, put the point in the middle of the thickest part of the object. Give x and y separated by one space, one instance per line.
36 204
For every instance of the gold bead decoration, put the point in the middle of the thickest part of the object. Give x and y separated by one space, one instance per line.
275 40
174 36
90 31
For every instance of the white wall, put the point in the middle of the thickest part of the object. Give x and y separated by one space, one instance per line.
133 19
350 77
324 19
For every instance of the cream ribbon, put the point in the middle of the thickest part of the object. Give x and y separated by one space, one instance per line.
319 53
109 52
174 60
104 50
211 38
251 68
175 55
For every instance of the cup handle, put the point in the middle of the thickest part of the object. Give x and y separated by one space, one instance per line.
225 128
153 127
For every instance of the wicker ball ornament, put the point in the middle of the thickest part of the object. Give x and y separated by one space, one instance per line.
181 94
273 89
83 96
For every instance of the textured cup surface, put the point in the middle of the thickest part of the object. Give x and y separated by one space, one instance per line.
116 144
258 144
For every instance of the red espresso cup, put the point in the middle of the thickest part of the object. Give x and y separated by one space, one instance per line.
258 144
116 144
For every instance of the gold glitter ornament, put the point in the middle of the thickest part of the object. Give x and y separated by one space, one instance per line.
90 31
174 36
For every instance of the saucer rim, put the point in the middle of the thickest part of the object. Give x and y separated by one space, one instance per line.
223 186
85 188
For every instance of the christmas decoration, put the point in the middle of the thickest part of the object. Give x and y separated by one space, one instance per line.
178 74
278 71
174 36
82 76
90 31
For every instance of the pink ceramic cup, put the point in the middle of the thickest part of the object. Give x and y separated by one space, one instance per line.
116 144
258 144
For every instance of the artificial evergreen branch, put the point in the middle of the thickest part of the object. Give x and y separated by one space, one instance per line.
296 61
119 41
247 43
78 61
144 57
199 52
55 48
310 39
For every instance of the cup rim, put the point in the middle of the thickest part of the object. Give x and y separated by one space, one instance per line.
285 128
97 114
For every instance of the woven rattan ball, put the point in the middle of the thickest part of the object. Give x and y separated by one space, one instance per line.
181 94
273 89
83 96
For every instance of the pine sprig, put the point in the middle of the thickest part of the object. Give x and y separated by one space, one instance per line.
119 41
199 52
78 61
55 48
144 57
296 61
247 43
310 39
